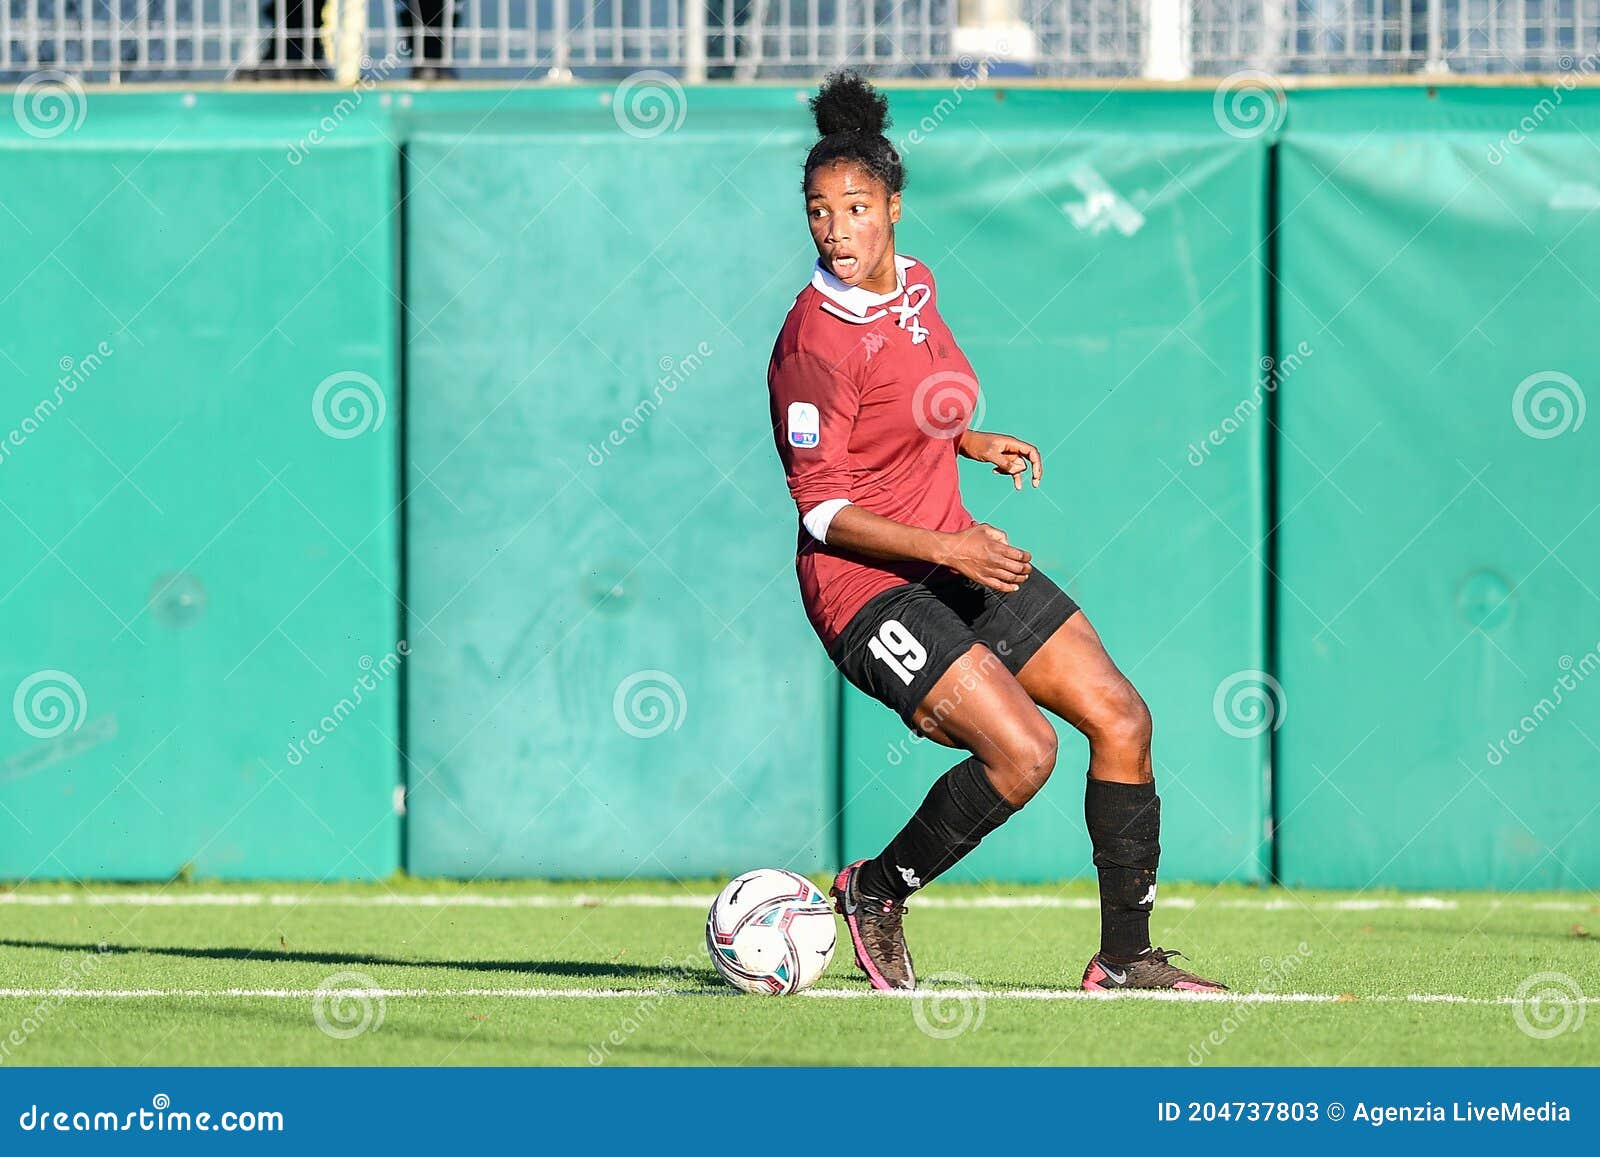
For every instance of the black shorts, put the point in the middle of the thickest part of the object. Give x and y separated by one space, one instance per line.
899 645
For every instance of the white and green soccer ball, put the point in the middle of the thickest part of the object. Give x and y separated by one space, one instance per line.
770 932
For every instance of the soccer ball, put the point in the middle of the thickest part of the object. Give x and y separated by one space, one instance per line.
770 932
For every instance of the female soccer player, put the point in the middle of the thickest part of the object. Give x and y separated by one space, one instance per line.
936 615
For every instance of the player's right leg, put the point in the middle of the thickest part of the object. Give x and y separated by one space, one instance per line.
965 698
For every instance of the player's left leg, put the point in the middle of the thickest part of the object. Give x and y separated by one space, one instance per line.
1072 676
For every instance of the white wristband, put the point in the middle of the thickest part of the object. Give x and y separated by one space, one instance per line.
821 516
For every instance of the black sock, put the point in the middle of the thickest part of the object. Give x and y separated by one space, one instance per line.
960 809
1125 827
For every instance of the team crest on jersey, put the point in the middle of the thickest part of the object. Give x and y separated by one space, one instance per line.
805 428
909 308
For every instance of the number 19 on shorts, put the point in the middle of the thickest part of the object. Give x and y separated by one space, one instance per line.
899 649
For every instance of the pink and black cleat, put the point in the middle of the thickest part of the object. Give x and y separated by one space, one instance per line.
1152 970
875 932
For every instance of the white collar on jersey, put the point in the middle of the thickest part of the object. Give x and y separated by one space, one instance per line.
852 297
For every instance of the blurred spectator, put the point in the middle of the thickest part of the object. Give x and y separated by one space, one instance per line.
294 49
732 28
426 21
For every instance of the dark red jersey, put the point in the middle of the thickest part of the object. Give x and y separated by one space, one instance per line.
870 396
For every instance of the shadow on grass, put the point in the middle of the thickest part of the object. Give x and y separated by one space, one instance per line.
586 969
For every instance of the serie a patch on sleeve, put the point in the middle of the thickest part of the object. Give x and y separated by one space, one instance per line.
805 428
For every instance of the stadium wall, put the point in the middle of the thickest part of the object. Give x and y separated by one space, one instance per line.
537 322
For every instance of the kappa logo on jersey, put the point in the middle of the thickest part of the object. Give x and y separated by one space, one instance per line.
805 428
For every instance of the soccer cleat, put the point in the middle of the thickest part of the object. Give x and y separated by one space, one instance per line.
875 932
1153 969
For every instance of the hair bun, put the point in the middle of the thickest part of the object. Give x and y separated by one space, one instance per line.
847 103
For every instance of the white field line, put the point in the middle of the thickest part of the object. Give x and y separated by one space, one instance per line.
393 900
937 994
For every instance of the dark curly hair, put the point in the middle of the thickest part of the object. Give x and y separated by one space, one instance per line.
851 116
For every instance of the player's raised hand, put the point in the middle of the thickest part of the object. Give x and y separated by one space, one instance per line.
982 554
1011 456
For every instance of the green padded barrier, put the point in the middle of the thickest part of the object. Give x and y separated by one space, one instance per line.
1106 286
195 572
1439 618
551 581
613 675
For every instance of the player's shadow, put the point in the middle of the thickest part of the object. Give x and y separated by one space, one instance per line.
587 969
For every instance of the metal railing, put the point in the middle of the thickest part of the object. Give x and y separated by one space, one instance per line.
120 40
1378 36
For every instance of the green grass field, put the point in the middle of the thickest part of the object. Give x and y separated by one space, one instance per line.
608 973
